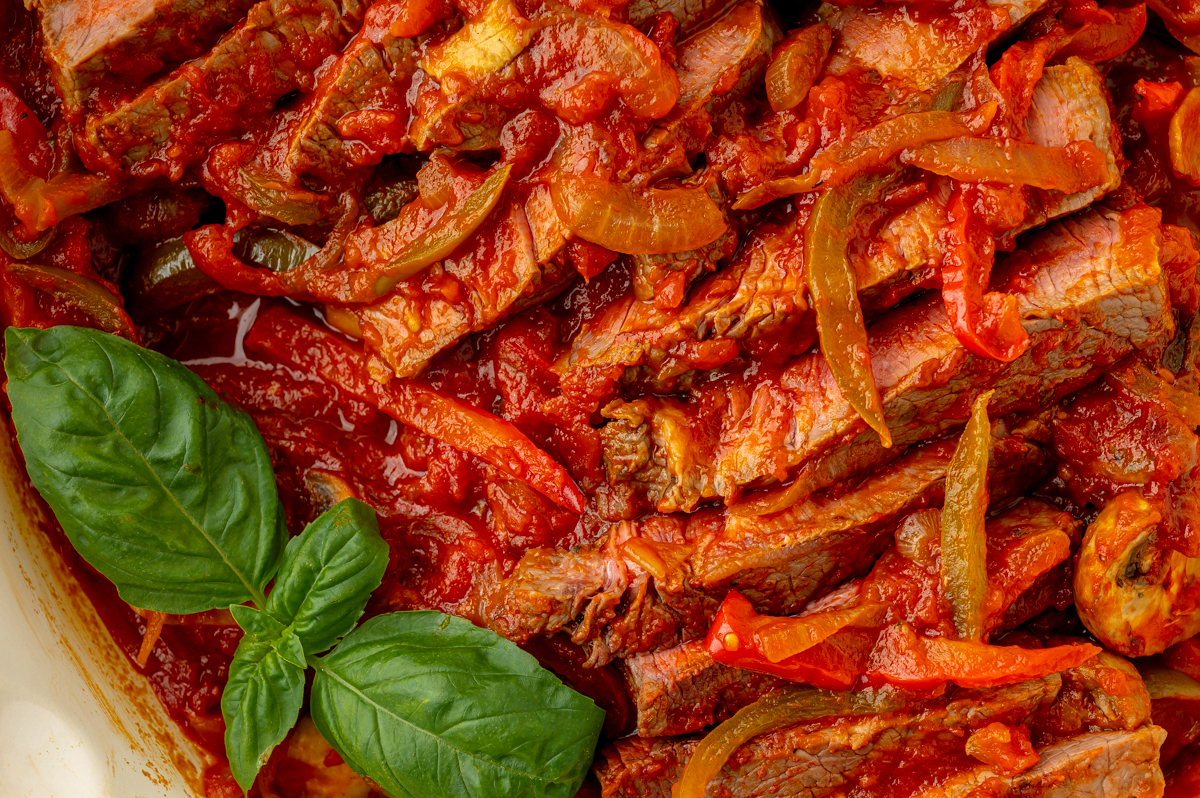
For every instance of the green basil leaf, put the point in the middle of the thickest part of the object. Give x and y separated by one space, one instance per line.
256 623
289 648
327 574
261 703
161 486
426 704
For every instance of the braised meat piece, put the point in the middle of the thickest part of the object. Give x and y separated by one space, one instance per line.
814 388
90 47
1092 284
779 561
684 689
171 124
902 749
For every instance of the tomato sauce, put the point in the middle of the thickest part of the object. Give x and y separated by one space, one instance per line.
446 516
454 523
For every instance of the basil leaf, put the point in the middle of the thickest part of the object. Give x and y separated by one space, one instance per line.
261 703
426 704
327 574
256 623
161 486
289 648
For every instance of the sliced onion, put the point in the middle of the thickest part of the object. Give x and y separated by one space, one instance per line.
656 221
796 64
660 560
872 148
1070 169
642 554
1184 138
82 292
776 711
15 245
964 538
40 204
483 46
455 226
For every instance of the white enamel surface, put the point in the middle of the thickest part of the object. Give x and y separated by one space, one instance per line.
75 720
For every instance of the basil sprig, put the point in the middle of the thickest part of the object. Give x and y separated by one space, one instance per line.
325 578
169 493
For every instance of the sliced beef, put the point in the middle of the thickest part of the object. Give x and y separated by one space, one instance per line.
89 43
780 561
1108 764
684 689
896 43
368 74
906 252
1107 692
760 290
1089 290
1091 726
609 603
690 14
171 124
763 289
827 758
616 607
493 275
1071 103
723 61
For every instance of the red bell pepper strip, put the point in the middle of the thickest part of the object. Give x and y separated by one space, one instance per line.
289 339
987 324
834 663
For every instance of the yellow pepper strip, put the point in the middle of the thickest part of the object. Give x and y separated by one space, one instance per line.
833 287
964 540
